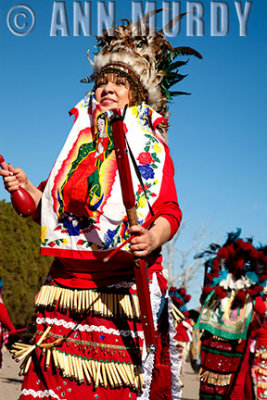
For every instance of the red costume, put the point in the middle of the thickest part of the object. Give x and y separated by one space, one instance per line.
96 331
5 323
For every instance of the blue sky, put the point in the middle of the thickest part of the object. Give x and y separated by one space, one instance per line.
217 136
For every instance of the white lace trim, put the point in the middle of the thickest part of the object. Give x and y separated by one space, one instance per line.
41 394
89 328
176 362
148 359
124 285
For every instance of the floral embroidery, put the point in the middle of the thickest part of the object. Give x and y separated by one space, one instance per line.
54 243
146 171
157 148
145 158
43 234
101 230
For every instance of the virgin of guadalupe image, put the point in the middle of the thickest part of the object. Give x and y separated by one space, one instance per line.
82 193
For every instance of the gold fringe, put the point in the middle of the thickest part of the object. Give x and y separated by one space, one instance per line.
214 379
104 304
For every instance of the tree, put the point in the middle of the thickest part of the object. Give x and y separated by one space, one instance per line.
181 265
21 266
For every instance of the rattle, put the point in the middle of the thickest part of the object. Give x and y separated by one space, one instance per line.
21 200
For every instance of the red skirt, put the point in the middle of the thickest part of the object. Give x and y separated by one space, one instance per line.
94 346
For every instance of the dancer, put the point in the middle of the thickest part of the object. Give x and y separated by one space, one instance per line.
89 339
235 278
6 325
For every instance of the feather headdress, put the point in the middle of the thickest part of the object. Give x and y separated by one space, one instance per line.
236 265
148 60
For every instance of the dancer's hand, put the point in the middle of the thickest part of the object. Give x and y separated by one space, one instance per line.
146 240
142 244
14 178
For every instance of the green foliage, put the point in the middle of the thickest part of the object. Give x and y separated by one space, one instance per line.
21 266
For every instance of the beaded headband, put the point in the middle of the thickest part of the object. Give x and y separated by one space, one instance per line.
129 74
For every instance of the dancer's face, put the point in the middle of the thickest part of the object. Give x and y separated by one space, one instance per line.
112 91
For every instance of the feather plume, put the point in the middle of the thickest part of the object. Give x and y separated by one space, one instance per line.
149 59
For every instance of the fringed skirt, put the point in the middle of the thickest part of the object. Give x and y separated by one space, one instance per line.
90 344
260 363
220 361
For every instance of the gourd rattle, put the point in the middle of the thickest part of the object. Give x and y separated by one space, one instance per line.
21 200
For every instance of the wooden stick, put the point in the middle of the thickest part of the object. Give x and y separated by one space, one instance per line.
120 308
75 302
47 359
76 368
97 374
123 375
93 369
60 304
137 306
84 300
87 300
80 370
105 301
181 315
66 298
131 313
102 307
54 354
19 345
60 364
128 373
110 305
141 378
118 379
115 303
114 375
44 335
104 374
46 294
28 363
79 294
88 364
22 366
98 304
41 296
71 366
51 289
135 377
67 365
63 299
123 304
85 370
109 376
25 353
17 353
